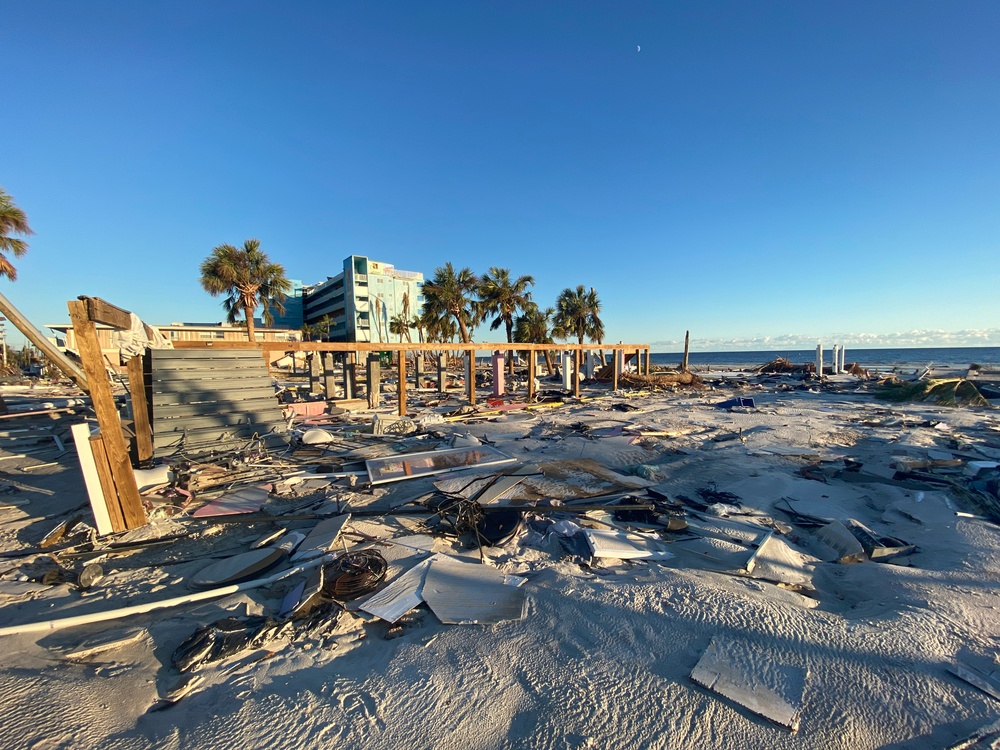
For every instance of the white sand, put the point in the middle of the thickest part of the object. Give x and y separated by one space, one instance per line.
604 655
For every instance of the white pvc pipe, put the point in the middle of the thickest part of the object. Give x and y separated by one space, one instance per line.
140 609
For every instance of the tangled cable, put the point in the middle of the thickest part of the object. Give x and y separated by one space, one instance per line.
355 574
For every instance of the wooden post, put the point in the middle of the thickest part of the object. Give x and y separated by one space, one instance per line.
616 367
329 381
499 386
315 372
374 381
350 386
638 362
687 347
576 372
470 371
127 493
419 368
402 383
442 363
108 489
140 410
532 368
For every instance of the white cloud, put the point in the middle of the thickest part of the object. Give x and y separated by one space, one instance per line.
800 341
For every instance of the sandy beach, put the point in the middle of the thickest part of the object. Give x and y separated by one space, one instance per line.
610 652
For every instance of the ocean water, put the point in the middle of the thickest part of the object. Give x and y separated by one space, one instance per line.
876 359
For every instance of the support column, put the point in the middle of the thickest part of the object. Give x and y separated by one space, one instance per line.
616 367
576 372
315 372
819 360
565 364
532 370
836 360
350 386
687 349
373 381
499 386
470 375
590 365
401 390
419 369
843 359
329 381
442 366
638 362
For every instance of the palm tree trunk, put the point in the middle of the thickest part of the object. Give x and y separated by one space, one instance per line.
463 331
548 362
510 353
248 314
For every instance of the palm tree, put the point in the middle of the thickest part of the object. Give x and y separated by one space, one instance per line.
417 322
532 327
399 325
309 332
248 278
324 324
12 221
500 296
577 314
450 294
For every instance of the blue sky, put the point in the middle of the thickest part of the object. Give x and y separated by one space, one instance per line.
752 171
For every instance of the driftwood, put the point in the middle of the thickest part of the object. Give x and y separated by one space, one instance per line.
660 380
783 365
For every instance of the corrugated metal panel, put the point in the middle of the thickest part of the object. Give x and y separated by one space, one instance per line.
212 401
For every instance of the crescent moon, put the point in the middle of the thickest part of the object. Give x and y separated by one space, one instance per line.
638 48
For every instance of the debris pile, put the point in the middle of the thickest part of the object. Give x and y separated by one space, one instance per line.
363 526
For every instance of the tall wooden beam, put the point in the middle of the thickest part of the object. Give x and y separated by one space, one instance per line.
92 359
140 409
107 482
35 336
576 372
532 366
471 372
402 384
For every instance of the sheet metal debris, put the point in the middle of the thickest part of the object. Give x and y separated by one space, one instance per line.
461 593
750 677
400 596
623 546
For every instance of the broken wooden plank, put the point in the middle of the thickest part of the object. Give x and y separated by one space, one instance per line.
91 479
140 409
92 358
